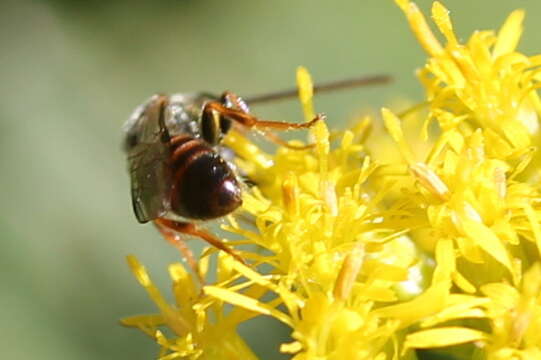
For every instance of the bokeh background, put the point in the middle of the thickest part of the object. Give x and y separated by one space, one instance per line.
70 74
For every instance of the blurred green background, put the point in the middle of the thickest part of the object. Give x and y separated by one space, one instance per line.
70 74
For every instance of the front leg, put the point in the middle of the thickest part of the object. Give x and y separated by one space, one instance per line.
214 109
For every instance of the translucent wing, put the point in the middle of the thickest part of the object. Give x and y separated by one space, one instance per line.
147 145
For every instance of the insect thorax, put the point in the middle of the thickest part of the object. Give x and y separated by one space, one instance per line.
184 113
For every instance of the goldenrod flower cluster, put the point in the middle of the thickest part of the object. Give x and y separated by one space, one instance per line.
420 240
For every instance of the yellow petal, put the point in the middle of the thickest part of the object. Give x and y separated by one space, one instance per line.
426 304
463 283
532 217
516 133
502 295
246 303
488 241
143 321
377 293
172 317
183 286
247 149
138 270
393 126
291 348
458 306
446 262
532 283
441 17
420 28
382 271
445 336
306 92
430 180
509 34
347 321
142 276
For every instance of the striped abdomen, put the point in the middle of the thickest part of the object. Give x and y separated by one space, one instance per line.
204 186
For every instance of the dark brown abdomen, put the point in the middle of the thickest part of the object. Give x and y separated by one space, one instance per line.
204 187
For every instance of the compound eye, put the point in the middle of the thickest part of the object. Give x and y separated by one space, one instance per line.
211 126
130 141
225 124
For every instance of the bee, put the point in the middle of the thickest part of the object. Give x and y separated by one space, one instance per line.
181 175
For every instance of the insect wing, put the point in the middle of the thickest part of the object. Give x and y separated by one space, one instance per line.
147 143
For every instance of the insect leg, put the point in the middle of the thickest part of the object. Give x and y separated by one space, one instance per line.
191 229
172 237
250 121
235 102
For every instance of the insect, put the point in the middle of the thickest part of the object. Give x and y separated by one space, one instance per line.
180 174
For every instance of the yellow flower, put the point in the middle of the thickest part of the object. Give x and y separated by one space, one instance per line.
201 329
364 254
468 180
515 317
482 84
332 257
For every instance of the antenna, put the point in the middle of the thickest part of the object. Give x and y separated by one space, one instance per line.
319 88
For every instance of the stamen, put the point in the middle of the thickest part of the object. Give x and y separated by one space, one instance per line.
348 273
430 181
